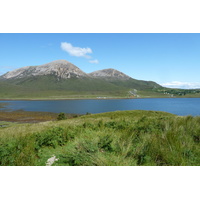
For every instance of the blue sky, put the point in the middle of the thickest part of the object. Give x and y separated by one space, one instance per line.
172 60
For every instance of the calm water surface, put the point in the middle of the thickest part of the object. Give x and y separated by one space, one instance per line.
179 106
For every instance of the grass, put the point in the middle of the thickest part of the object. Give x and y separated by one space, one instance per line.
122 138
49 87
30 117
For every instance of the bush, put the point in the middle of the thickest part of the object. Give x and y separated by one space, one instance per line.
17 152
51 138
105 143
61 116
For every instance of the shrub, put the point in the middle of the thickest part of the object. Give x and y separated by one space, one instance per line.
61 116
105 143
52 137
17 152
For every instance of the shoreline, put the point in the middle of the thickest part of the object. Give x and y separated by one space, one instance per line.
23 116
21 99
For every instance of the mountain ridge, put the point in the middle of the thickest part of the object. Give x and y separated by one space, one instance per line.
62 69
61 77
59 68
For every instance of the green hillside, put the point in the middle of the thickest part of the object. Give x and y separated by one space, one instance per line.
61 79
130 138
50 86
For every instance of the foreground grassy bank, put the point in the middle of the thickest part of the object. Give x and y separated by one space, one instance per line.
128 138
21 116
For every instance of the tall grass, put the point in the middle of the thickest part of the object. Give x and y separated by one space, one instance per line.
127 138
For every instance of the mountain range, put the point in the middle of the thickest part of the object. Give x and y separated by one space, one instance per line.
61 78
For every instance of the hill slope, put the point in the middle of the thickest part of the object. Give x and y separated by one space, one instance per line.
62 78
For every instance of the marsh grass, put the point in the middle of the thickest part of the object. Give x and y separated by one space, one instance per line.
121 138
32 117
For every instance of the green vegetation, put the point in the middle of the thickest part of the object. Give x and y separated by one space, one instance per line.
128 138
178 92
49 87
30 117
61 116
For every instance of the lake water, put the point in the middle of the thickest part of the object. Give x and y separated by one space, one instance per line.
179 106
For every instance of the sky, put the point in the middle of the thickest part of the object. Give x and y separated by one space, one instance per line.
170 59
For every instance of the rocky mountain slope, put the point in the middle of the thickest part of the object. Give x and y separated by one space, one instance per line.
59 68
62 69
109 73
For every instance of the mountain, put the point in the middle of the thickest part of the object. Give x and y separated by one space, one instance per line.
59 68
109 73
61 78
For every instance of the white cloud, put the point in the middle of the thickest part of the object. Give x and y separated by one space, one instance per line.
182 85
94 61
76 51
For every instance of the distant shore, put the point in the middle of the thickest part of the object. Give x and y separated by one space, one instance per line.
59 99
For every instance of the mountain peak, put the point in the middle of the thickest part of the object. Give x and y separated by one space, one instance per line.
59 68
109 73
61 61
62 69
